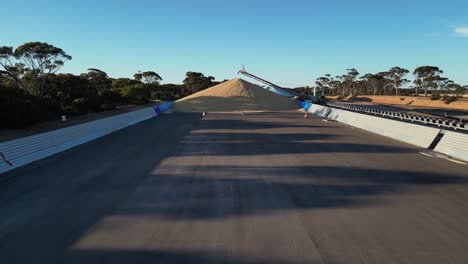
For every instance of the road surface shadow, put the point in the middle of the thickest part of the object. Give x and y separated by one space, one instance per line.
257 143
234 191
51 205
166 256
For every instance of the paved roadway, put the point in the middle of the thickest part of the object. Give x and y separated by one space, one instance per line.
263 188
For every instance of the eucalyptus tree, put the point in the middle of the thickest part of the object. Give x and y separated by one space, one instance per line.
397 75
350 80
374 82
151 81
148 77
323 83
29 63
417 85
387 82
427 77
455 88
196 81
98 80
334 85
340 84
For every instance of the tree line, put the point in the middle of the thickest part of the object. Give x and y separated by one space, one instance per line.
31 90
427 80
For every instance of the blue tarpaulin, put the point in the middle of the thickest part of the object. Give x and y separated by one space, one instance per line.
163 107
305 105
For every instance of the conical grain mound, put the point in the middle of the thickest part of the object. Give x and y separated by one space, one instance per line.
234 95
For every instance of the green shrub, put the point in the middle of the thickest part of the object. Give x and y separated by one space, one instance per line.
449 99
135 93
436 97
112 97
95 103
80 106
16 115
18 110
67 110
107 106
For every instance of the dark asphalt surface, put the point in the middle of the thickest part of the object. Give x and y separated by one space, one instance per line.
263 188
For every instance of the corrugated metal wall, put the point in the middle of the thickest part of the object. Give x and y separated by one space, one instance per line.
319 110
28 149
417 135
410 133
454 144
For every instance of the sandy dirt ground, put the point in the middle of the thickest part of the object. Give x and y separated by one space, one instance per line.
417 105
420 101
261 188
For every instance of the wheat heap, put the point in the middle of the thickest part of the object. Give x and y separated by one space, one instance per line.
234 95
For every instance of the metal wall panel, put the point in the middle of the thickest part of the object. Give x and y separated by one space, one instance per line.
319 110
454 144
418 135
28 149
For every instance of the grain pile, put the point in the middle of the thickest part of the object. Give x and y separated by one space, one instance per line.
234 95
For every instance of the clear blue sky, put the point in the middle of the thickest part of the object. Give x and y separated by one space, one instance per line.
289 42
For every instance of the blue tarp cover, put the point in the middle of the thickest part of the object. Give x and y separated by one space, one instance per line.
305 105
163 107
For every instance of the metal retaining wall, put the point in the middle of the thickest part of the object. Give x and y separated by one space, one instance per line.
454 144
418 135
410 133
320 110
25 150
439 122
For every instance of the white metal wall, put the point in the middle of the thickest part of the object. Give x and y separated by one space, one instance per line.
28 149
418 135
454 144
410 133
319 110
